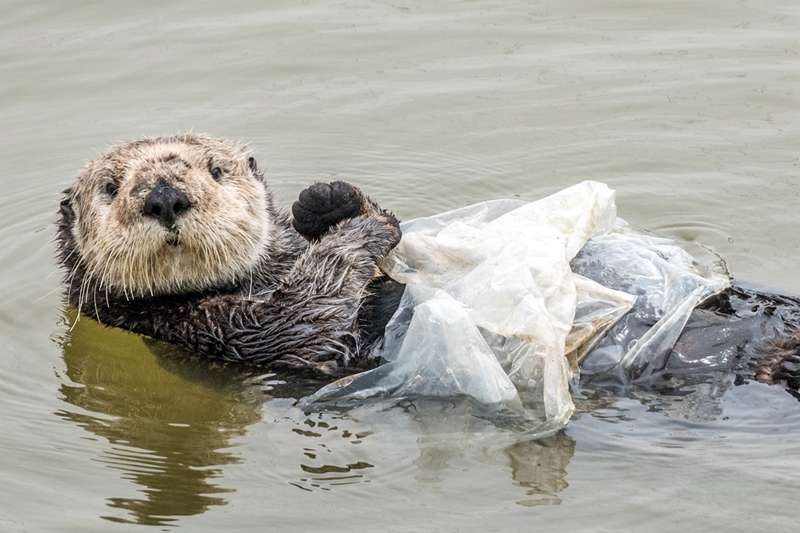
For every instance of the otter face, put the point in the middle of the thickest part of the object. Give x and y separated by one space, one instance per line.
170 215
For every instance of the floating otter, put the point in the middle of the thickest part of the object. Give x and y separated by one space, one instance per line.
178 238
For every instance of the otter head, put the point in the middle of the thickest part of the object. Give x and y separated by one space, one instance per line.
167 215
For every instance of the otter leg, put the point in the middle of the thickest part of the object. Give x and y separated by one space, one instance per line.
311 319
323 205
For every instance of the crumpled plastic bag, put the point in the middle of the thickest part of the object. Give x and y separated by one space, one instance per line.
669 284
493 311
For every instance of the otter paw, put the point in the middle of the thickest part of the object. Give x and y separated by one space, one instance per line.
324 205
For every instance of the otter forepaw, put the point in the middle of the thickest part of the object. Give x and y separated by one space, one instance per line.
324 205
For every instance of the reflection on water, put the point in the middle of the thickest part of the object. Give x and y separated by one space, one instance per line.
693 398
696 399
168 434
448 430
172 421
541 468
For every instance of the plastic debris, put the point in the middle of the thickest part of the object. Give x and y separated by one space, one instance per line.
668 282
493 310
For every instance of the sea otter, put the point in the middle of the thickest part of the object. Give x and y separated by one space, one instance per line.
178 238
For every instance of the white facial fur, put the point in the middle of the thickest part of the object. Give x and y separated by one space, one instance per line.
219 239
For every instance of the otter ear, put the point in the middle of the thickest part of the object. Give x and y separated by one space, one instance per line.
65 207
251 162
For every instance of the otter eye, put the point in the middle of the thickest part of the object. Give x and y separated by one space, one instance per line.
216 173
111 189
251 161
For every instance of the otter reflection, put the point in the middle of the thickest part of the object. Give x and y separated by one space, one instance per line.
170 429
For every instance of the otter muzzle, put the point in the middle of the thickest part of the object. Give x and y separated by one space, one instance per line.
165 203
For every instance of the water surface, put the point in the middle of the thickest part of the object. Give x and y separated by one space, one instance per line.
689 110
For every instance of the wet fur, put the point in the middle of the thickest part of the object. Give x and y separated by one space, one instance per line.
751 332
232 279
253 285
763 329
781 362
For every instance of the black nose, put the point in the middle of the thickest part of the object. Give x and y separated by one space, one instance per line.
165 203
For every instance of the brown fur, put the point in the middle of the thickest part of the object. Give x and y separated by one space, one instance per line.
780 361
231 277
219 240
228 275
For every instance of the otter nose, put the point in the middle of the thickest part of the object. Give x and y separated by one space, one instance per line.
165 203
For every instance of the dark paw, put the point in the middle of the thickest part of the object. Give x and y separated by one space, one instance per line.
396 233
324 205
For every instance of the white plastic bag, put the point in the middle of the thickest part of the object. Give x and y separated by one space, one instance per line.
497 271
493 310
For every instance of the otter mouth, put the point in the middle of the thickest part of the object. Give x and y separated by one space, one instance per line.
173 238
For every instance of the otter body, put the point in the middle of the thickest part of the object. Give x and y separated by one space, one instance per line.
743 329
178 238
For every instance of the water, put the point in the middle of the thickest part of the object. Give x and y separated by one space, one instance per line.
688 109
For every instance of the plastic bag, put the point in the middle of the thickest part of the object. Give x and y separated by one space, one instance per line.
668 282
493 310
493 301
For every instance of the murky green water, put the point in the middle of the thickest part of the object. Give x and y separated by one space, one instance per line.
691 110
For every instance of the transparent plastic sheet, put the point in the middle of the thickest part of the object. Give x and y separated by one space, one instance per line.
669 284
493 311
598 309
493 301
